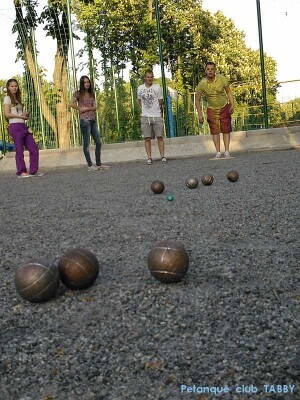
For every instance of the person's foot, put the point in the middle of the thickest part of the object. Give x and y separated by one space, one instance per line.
103 166
37 174
227 154
93 168
149 161
218 155
24 175
163 160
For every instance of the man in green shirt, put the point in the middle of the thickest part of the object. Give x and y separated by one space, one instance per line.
216 90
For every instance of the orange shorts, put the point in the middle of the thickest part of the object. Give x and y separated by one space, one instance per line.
219 121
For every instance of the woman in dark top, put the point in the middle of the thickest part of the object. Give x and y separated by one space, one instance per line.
85 102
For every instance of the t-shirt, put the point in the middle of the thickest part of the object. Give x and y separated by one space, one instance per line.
16 110
150 97
214 91
85 101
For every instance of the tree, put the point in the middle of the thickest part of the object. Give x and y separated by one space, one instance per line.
26 20
241 64
54 16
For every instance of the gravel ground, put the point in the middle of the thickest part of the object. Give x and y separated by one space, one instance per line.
233 321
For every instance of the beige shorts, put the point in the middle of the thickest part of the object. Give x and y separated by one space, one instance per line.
152 127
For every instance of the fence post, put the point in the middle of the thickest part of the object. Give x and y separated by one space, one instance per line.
74 86
39 86
116 96
92 73
157 15
2 128
262 65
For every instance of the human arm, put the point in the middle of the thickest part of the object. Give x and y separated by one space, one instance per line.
230 98
75 104
160 96
161 105
199 107
9 115
94 108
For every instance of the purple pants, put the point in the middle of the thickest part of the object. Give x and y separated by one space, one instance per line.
23 138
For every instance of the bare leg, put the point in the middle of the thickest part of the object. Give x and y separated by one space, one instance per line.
226 140
161 146
216 139
148 147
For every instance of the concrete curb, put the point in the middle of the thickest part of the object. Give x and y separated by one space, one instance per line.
181 147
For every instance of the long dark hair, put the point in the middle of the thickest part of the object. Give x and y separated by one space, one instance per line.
82 90
18 93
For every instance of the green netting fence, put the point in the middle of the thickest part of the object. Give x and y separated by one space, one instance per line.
78 51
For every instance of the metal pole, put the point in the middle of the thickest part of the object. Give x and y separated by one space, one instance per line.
92 73
38 84
177 114
73 116
262 66
116 96
74 86
2 128
163 78
131 95
71 45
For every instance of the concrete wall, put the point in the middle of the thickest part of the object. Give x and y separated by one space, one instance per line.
185 146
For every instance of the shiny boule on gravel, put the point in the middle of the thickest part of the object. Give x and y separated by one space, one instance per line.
37 280
78 268
168 261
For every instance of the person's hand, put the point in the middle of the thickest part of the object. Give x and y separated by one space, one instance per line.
200 117
24 116
83 109
231 109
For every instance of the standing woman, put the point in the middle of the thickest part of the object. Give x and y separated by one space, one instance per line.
18 130
85 102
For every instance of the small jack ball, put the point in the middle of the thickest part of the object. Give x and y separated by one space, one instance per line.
207 180
191 183
170 197
157 187
232 176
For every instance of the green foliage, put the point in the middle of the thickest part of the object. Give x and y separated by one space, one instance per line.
290 111
26 19
128 113
126 32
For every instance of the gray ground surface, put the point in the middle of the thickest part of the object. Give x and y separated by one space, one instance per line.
234 320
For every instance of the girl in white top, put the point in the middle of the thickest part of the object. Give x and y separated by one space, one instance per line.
18 130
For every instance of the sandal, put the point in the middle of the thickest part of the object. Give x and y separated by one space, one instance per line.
149 161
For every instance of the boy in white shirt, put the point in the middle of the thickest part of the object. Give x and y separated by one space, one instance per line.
150 99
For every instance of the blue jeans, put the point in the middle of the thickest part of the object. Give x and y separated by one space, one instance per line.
88 128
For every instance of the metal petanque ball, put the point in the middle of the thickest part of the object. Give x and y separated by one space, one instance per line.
232 176
78 268
37 280
191 183
207 180
168 261
157 187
